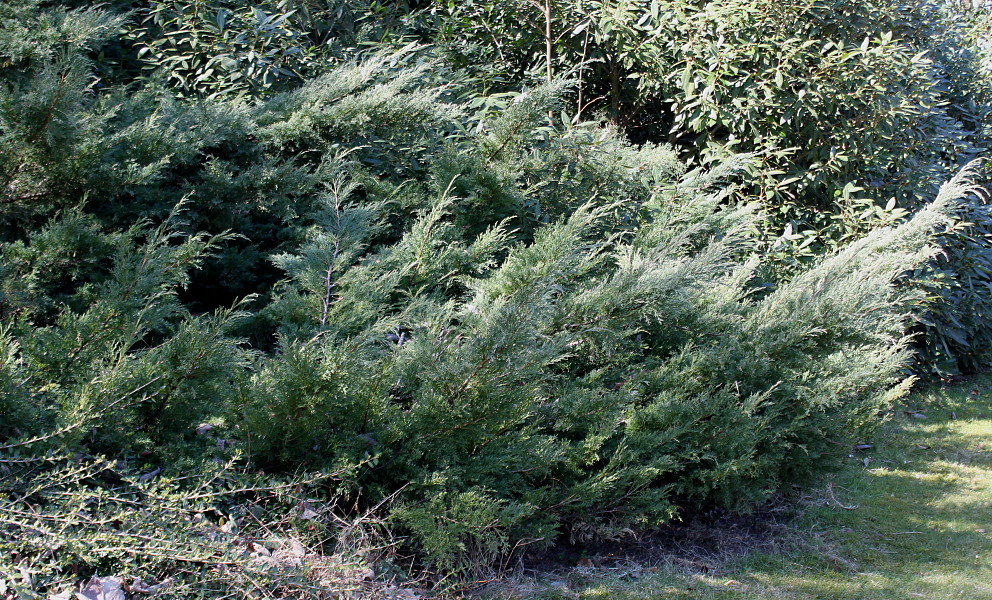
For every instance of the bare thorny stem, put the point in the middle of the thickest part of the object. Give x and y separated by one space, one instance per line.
71 426
582 66
328 284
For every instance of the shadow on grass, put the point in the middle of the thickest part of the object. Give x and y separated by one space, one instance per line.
922 526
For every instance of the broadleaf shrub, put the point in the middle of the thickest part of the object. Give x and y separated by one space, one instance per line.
856 111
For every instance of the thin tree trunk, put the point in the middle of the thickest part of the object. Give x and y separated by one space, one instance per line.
546 10
548 48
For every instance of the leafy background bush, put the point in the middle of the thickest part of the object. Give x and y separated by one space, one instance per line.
345 272
855 113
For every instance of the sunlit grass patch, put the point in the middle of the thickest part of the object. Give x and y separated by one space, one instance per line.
909 517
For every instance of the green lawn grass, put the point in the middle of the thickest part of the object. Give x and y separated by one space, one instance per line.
917 523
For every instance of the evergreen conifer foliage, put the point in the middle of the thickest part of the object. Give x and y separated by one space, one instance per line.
495 327
584 371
